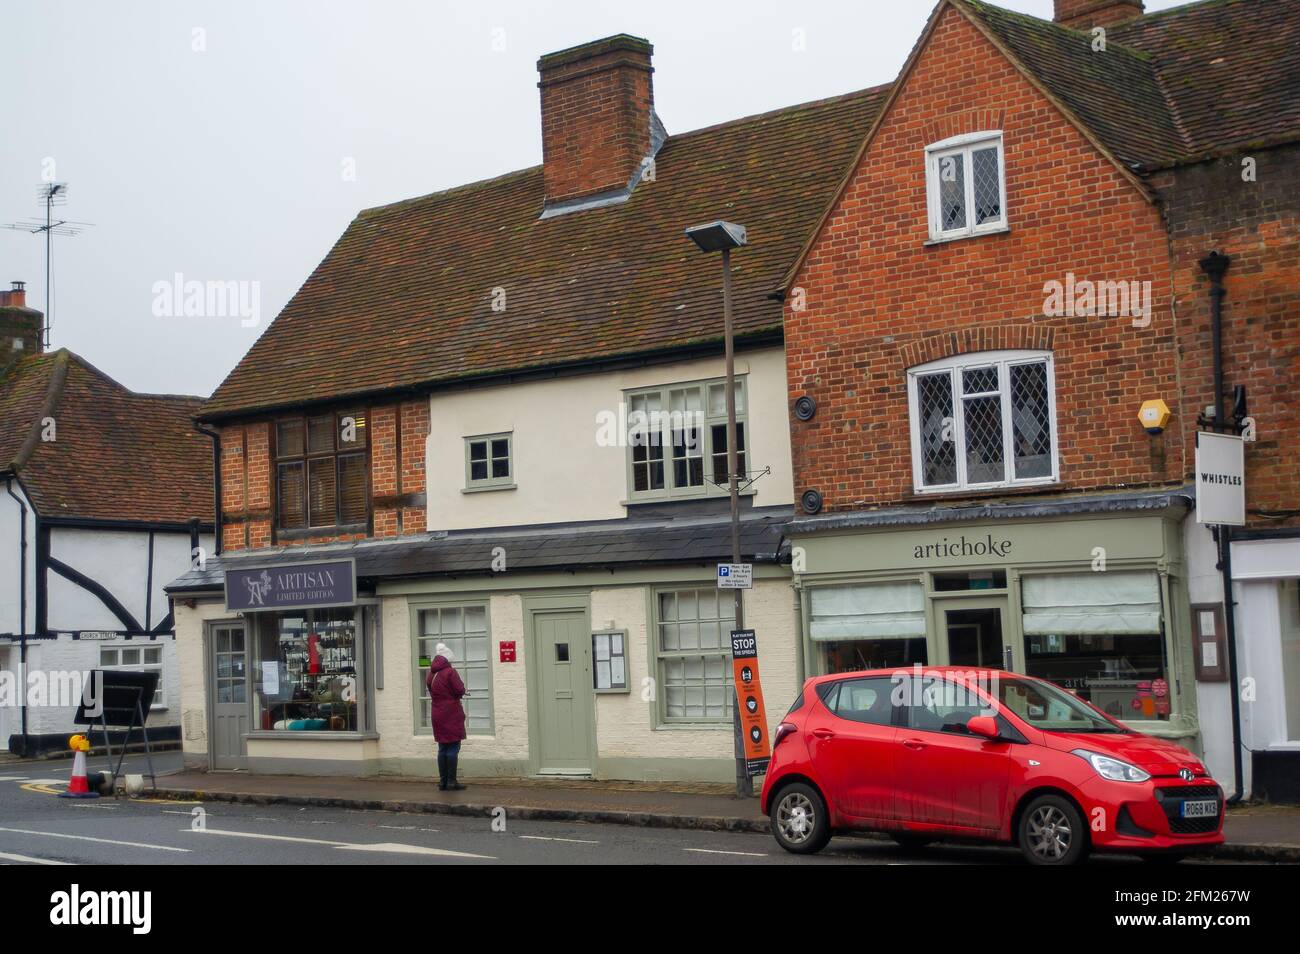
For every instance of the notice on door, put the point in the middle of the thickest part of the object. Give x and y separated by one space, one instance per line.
749 694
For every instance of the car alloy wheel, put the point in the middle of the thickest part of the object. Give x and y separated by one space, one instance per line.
1049 833
795 815
800 821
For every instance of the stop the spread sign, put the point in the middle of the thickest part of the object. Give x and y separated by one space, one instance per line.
749 694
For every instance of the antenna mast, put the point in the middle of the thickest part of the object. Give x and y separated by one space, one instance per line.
50 194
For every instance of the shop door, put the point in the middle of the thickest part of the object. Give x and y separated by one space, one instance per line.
973 632
228 690
565 733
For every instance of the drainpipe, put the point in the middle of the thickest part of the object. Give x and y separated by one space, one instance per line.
22 605
1215 265
216 485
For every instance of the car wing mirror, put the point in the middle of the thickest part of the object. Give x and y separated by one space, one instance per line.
985 726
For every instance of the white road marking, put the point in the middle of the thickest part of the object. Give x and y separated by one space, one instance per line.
407 828
102 841
574 841
711 851
31 861
342 845
13 778
46 781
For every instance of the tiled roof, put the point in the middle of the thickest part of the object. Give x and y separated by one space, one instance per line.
1171 86
603 544
115 454
405 298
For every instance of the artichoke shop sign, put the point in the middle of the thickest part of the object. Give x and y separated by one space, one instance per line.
1220 479
291 586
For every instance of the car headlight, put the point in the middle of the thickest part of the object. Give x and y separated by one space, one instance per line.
1112 769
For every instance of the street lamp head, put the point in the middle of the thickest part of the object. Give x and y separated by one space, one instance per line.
718 235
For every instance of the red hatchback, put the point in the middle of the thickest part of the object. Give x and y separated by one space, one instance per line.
984 754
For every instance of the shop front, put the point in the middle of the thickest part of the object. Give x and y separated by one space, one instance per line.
1091 596
289 666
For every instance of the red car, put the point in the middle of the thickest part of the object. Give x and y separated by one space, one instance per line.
947 752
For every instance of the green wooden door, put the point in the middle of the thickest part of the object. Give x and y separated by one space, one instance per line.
565 732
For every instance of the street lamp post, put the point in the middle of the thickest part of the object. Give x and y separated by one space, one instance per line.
720 236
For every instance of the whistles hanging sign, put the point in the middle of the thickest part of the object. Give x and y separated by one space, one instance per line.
749 693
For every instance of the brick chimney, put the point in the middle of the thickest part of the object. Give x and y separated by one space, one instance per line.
598 121
1085 14
21 328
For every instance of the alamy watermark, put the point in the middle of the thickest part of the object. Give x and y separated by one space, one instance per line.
180 298
1085 298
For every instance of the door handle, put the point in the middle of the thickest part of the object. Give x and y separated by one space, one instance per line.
824 733
916 745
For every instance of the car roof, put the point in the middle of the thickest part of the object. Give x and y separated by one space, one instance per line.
958 672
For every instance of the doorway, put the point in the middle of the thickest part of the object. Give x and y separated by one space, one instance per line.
561 665
973 632
228 692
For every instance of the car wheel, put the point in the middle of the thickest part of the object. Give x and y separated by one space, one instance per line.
907 839
799 819
1051 832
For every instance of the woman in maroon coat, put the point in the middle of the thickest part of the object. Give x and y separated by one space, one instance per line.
445 690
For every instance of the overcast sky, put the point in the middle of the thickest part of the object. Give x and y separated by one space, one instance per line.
234 140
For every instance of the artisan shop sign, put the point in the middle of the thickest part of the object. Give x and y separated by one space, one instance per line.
292 586
959 547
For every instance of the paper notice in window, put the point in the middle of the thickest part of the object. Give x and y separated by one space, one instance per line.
271 678
616 671
1209 655
1207 622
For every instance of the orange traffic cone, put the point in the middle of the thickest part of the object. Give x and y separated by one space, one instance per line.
78 787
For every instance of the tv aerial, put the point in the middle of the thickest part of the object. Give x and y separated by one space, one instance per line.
51 195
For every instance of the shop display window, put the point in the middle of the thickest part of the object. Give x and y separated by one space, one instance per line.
307 668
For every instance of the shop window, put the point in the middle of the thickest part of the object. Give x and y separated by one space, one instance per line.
868 626
966 186
983 420
609 654
136 659
1100 635
488 462
693 655
970 580
464 630
309 672
677 439
1289 601
320 472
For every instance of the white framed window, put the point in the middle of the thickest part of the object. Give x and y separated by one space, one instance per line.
693 655
465 630
489 462
966 186
983 420
137 657
677 439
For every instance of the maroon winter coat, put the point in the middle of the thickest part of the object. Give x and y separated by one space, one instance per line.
445 689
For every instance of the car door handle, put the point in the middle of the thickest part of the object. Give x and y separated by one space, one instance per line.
824 733
916 745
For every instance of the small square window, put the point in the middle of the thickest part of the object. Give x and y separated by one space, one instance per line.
966 186
488 462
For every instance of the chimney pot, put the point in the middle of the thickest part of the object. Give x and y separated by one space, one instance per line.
1086 14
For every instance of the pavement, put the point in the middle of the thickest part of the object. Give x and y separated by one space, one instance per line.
1253 832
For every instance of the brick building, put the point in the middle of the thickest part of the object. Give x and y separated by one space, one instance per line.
1011 268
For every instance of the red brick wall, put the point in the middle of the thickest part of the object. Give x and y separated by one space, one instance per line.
1256 222
396 479
879 300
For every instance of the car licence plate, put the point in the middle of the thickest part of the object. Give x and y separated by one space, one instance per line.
1200 809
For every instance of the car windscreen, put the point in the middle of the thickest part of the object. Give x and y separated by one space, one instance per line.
1051 708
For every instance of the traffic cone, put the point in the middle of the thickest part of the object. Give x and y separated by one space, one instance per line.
78 787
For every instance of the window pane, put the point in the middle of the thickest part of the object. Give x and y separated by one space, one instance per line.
1031 422
153 656
501 467
478 470
288 438
720 475
979 380
984 461
352 430
478 450
688 458
289 490
866 700
320 492
500 448
320 433
952 192
988 191
108 657
937 431
352 488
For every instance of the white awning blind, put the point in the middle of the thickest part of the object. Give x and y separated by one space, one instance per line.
867 611
1109 602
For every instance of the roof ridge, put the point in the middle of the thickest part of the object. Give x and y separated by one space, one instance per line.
1180 10
53 394
1039 22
